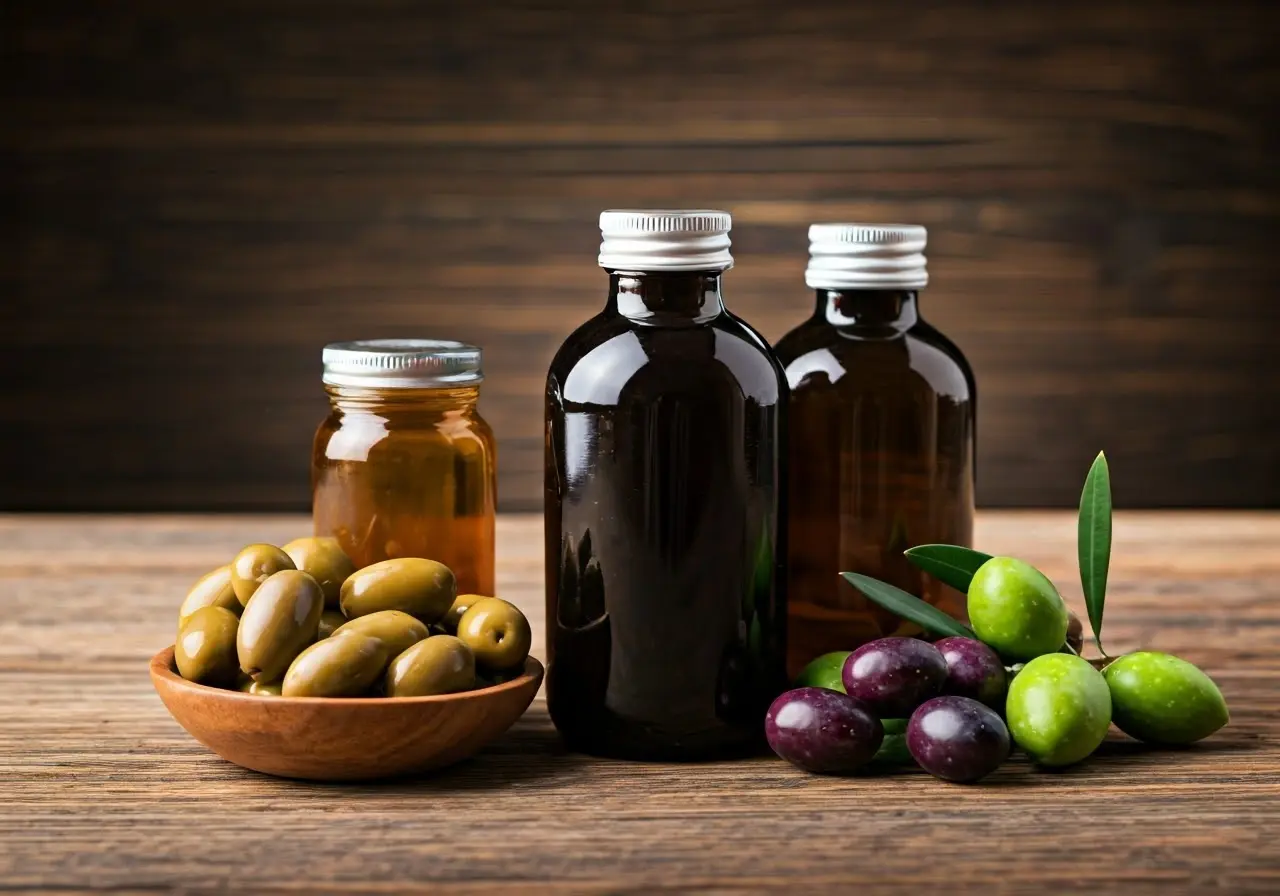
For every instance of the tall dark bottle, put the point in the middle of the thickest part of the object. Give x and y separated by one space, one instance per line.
665 481
881 438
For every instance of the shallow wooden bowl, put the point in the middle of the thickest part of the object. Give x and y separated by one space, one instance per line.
327 739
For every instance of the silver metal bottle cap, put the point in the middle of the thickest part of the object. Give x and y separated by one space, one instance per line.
665 240
867 256
401 363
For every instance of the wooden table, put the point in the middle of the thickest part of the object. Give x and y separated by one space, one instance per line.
99 788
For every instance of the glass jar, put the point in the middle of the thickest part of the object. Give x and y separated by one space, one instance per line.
881 438
664 485
404 465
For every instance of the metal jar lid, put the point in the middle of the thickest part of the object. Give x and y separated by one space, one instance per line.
401 363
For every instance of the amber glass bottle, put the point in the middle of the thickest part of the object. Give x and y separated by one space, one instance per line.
665 474
404 465
881 437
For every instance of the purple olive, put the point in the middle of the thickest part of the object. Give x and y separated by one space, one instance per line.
1075 632
973 670
894 675
822 731
957 739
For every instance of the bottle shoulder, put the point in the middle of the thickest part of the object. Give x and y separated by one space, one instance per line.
611 355
817 354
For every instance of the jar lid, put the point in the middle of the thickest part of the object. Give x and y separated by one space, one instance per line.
401 363
866 256
665 240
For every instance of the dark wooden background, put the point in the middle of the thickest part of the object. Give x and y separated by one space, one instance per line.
198 196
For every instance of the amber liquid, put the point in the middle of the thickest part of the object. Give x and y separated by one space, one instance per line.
408 473
664 477
881 457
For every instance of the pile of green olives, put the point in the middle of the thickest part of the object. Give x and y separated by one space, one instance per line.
965 702
302 621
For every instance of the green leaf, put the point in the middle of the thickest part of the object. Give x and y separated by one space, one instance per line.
1093 541
948 563
909 607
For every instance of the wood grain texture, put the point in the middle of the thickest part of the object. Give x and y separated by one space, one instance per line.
197 197
102 789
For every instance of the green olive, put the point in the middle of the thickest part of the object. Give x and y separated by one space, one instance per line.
281 619
326 562
453 615
260 689
438 665
1059 709
206 647
422 588
1014 608
893 749
492 679
399 631
330 622
1162 699
825 671
253 565
497 633
342 666
213 589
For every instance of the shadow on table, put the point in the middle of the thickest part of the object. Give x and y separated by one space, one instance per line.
526 754
1120 758
1120 749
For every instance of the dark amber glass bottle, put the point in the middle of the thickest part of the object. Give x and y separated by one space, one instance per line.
881 438
665 473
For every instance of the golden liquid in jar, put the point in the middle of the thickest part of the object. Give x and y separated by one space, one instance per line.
408 473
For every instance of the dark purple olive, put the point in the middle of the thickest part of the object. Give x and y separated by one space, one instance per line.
1075 632
957 739
894 675
822 731
973 670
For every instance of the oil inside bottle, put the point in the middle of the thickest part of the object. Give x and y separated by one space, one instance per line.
881 451
664 477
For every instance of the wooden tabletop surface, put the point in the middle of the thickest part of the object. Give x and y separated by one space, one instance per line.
100 788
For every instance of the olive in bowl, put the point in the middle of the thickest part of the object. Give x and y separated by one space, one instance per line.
497 633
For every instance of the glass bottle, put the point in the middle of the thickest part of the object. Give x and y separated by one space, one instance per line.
665 474
881 437
404 465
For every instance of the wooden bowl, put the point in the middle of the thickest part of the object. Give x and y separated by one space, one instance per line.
329 739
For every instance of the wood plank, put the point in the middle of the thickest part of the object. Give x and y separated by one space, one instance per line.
104 791
198 197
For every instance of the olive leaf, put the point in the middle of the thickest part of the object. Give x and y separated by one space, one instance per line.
909 607
948 563
1093 541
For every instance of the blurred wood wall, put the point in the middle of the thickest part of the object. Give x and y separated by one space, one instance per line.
198 196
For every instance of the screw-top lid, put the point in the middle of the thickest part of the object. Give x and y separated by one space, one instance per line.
665 240
401 363
866 256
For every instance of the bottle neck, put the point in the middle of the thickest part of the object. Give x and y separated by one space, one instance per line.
386 402
676 298
893 310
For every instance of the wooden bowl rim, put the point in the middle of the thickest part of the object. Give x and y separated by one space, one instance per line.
163 668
